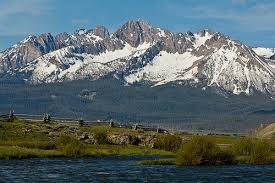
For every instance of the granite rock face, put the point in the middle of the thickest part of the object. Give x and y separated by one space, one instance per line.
138 32
123 139
100 31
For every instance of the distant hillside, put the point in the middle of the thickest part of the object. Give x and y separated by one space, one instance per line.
266 131
171 106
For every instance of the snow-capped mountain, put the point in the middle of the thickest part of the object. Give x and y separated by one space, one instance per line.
140 53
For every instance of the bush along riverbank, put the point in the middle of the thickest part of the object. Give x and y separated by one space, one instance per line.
199 150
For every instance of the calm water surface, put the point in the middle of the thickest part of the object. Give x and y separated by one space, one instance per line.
123 169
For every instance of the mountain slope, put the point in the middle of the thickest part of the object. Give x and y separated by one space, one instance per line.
170 106
216 60
139 53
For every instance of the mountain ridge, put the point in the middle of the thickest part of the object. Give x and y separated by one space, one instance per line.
140 53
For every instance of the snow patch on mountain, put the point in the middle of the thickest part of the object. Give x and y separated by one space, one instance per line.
161 32
29 38
81 31
264 52
234 72
63 64
166 67
200 40
271 64
126 51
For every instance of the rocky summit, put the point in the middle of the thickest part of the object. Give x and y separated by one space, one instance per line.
138 53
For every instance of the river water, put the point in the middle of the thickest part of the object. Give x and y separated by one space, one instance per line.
124 169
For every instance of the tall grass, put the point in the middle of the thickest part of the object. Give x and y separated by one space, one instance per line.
157 162
168 142
15 152
201 151
101 136
253 151
70 146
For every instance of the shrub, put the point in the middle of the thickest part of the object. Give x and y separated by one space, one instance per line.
45 145
243 147
201 151
70 146
15 152
168 142
255 150
225 158
261 153
101 137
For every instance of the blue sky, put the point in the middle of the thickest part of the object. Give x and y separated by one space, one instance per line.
250 21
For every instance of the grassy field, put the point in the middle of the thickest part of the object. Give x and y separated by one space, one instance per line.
26 139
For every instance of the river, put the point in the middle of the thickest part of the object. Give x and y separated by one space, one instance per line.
124 169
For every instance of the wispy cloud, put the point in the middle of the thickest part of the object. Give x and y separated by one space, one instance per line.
17 17
257 17
32 7
238 1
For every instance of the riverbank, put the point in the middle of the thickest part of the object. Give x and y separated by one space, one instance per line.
17 152
29 139
199 151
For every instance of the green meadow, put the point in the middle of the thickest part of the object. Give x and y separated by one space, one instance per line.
28 139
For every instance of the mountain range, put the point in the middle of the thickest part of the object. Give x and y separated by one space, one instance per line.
140 54
142 74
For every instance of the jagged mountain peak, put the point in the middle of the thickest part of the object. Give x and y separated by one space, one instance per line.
205 32
141 53
189 33
100 31
134 32
28 39
62 40
80 31
34 38
139 23
45 35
